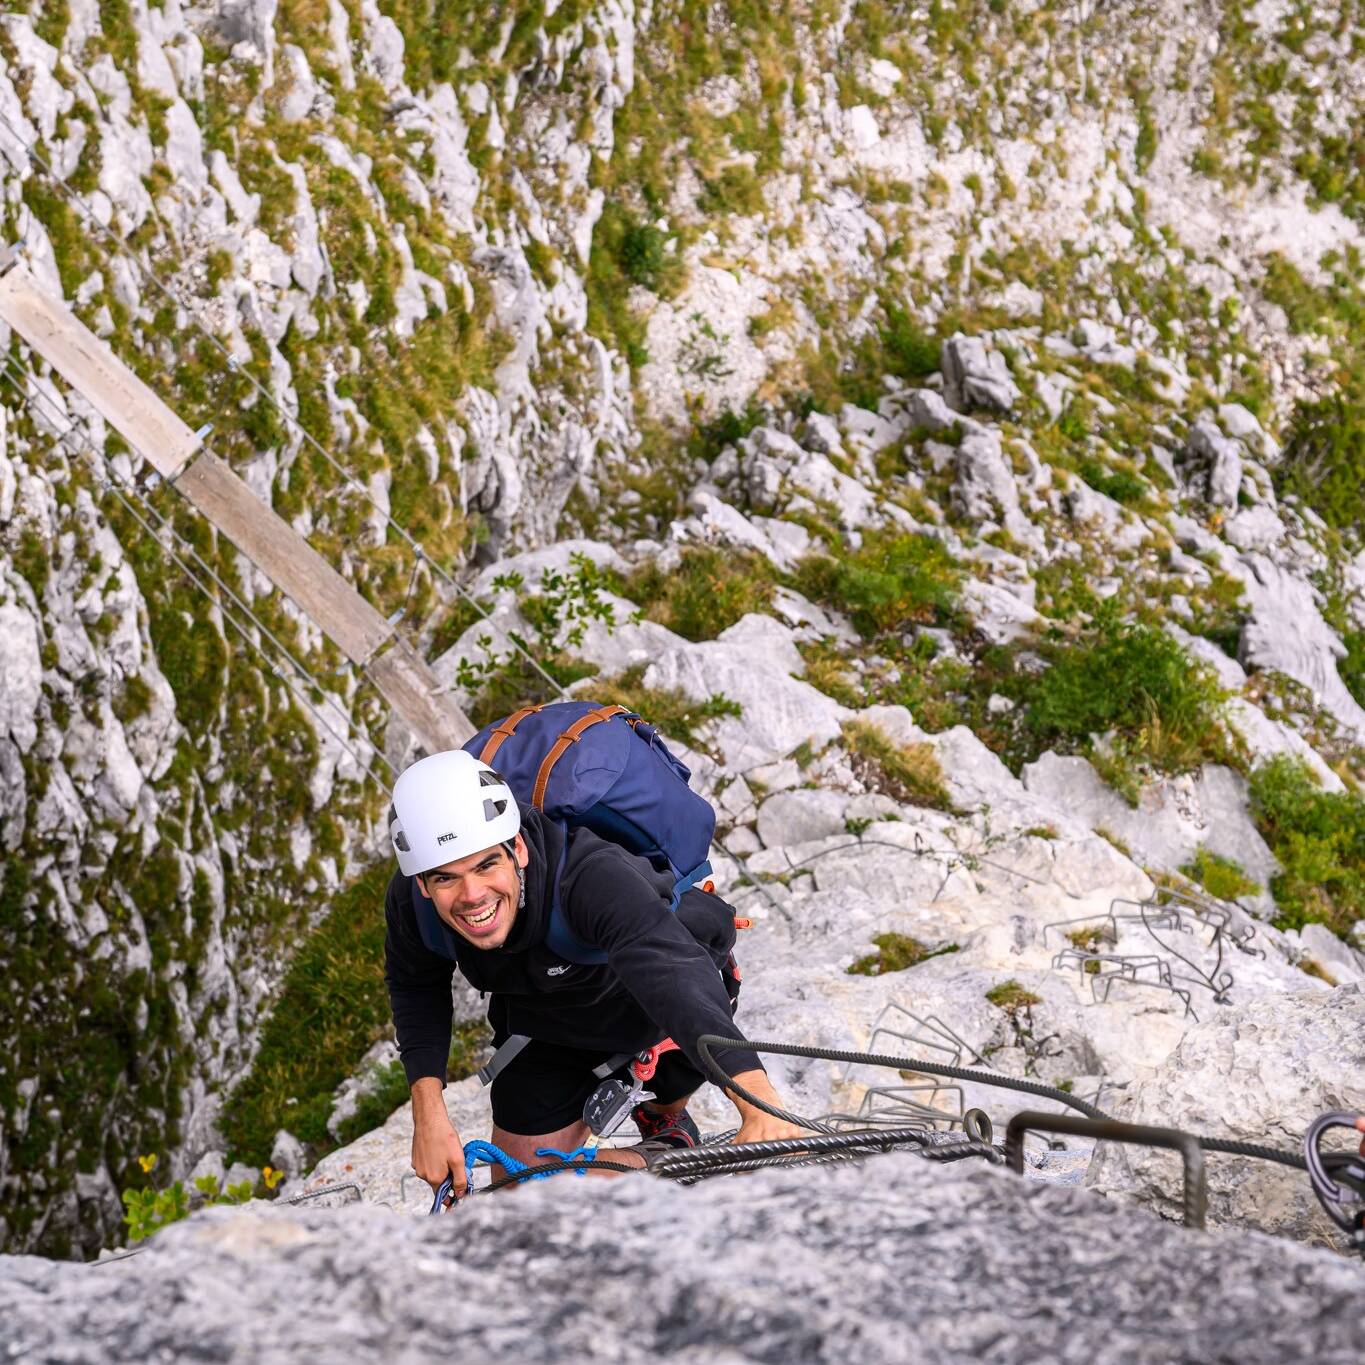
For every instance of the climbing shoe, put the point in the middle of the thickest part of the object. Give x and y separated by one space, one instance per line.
665 1132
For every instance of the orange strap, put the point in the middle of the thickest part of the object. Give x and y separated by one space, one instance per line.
504 732
561 745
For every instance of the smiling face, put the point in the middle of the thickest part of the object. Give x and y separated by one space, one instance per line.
478 896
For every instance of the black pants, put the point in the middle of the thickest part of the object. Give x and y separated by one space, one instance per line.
546 1086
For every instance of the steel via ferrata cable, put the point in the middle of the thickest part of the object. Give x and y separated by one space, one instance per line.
707 1041
11 372
352 483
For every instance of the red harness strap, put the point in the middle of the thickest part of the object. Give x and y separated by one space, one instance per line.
645 1065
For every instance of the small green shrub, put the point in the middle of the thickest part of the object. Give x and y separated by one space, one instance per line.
1220 612
1352 667
1319 838
1065 589
33 559
559 614
1223 878
515 683
1072 422
1145 149
892 581
642 255
149 1210
910 351
896 953
707 593
909 773
1324 455
1136 680
1120 484
1011 997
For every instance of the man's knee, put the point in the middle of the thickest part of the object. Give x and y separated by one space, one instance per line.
524 1146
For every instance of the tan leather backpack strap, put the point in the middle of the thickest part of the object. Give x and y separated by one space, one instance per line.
561 746
504 732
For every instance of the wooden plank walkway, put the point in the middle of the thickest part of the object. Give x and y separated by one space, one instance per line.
91 368
285 558
409 686
209 484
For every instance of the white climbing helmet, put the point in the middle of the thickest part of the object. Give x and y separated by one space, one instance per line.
447 806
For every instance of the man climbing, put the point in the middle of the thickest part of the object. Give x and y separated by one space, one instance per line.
497 879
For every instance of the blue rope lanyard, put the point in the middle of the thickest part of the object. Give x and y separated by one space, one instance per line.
478 1152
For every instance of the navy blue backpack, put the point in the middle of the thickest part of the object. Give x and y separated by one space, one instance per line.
601 768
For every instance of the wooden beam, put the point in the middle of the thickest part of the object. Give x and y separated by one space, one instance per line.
94 371
284 557
356 628
410 688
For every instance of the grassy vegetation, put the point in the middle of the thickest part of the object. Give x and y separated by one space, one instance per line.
1012 997
708 592
1319 838
513 683
626 252
1324 461
1136 681
1324 455
896 953
891 582
1223 878
331 1009
1220 613
1123 485
908 773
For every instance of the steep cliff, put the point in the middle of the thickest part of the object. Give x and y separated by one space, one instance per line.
1069 291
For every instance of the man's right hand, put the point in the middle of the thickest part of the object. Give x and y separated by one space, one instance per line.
436 1148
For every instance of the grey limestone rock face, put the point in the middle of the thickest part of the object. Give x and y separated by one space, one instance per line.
1222 457
1174 816
890 1261
984 486
975 376
752 663
1286 632
1259 1072
779 476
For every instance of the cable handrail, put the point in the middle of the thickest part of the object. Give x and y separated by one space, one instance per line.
12 372
351 482
121 246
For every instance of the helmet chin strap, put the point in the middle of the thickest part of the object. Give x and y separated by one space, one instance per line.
511 847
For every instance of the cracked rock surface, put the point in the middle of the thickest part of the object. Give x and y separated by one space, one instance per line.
897 1259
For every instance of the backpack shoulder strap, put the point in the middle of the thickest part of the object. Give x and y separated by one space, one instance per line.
504 732
563 942
561 746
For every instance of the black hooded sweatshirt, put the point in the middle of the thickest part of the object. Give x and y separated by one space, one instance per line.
661 979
